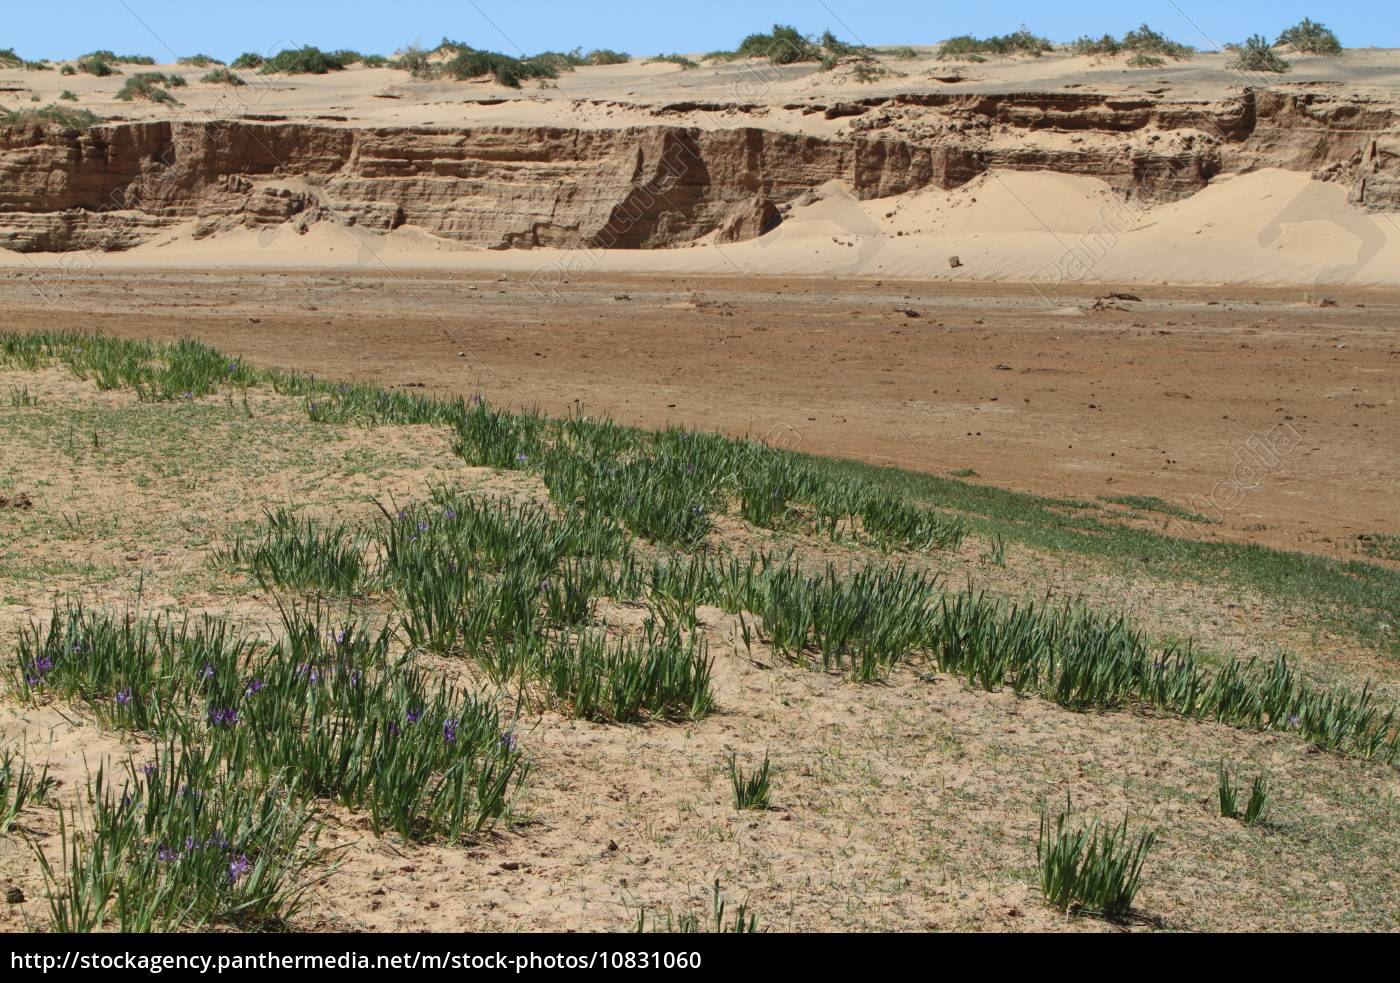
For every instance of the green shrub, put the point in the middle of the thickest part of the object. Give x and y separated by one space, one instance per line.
374 61
247 60
1020 42
1146 41
1257 55
73 119
672 59
299 61
68 95
94 65
145 85
223 76
784 45
199 61
1311 38
472 64
1094 870
606 56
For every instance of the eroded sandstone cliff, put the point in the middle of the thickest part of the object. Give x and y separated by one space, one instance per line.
639 187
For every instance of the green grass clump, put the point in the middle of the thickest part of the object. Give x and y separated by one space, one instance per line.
247 60
199 61
182 842
607 56
146 85
1257 55
751 791
1151 503
1228 794
1381 545
692 923
672 59
1311 38
20 786
1140 60
308 60
1094 870
301 553
658 675
223 76
68 95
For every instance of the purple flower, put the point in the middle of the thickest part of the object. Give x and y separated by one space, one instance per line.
208 671
521 459
237 867
413 715
1294 720
449 732
253 686
223 717
164 854
340 636
124 697
449 514
149 769
508 740
44 664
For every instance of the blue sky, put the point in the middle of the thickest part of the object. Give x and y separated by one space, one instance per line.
158 27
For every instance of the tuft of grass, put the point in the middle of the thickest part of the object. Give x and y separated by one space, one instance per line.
1257 55
302 553
199 61
1091 870
1381 545
742 921
1308 37
1151 503
750 791
1228 795
20 786
659 675
183 842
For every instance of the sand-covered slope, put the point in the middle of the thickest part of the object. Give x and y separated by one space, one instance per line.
1054 169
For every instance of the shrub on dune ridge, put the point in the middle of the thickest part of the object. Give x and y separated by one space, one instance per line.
1257 55
1311 38
223 76
308 60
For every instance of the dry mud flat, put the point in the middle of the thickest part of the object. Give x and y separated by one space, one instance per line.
1273 414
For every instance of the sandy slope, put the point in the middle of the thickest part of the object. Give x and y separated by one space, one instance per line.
1272 227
